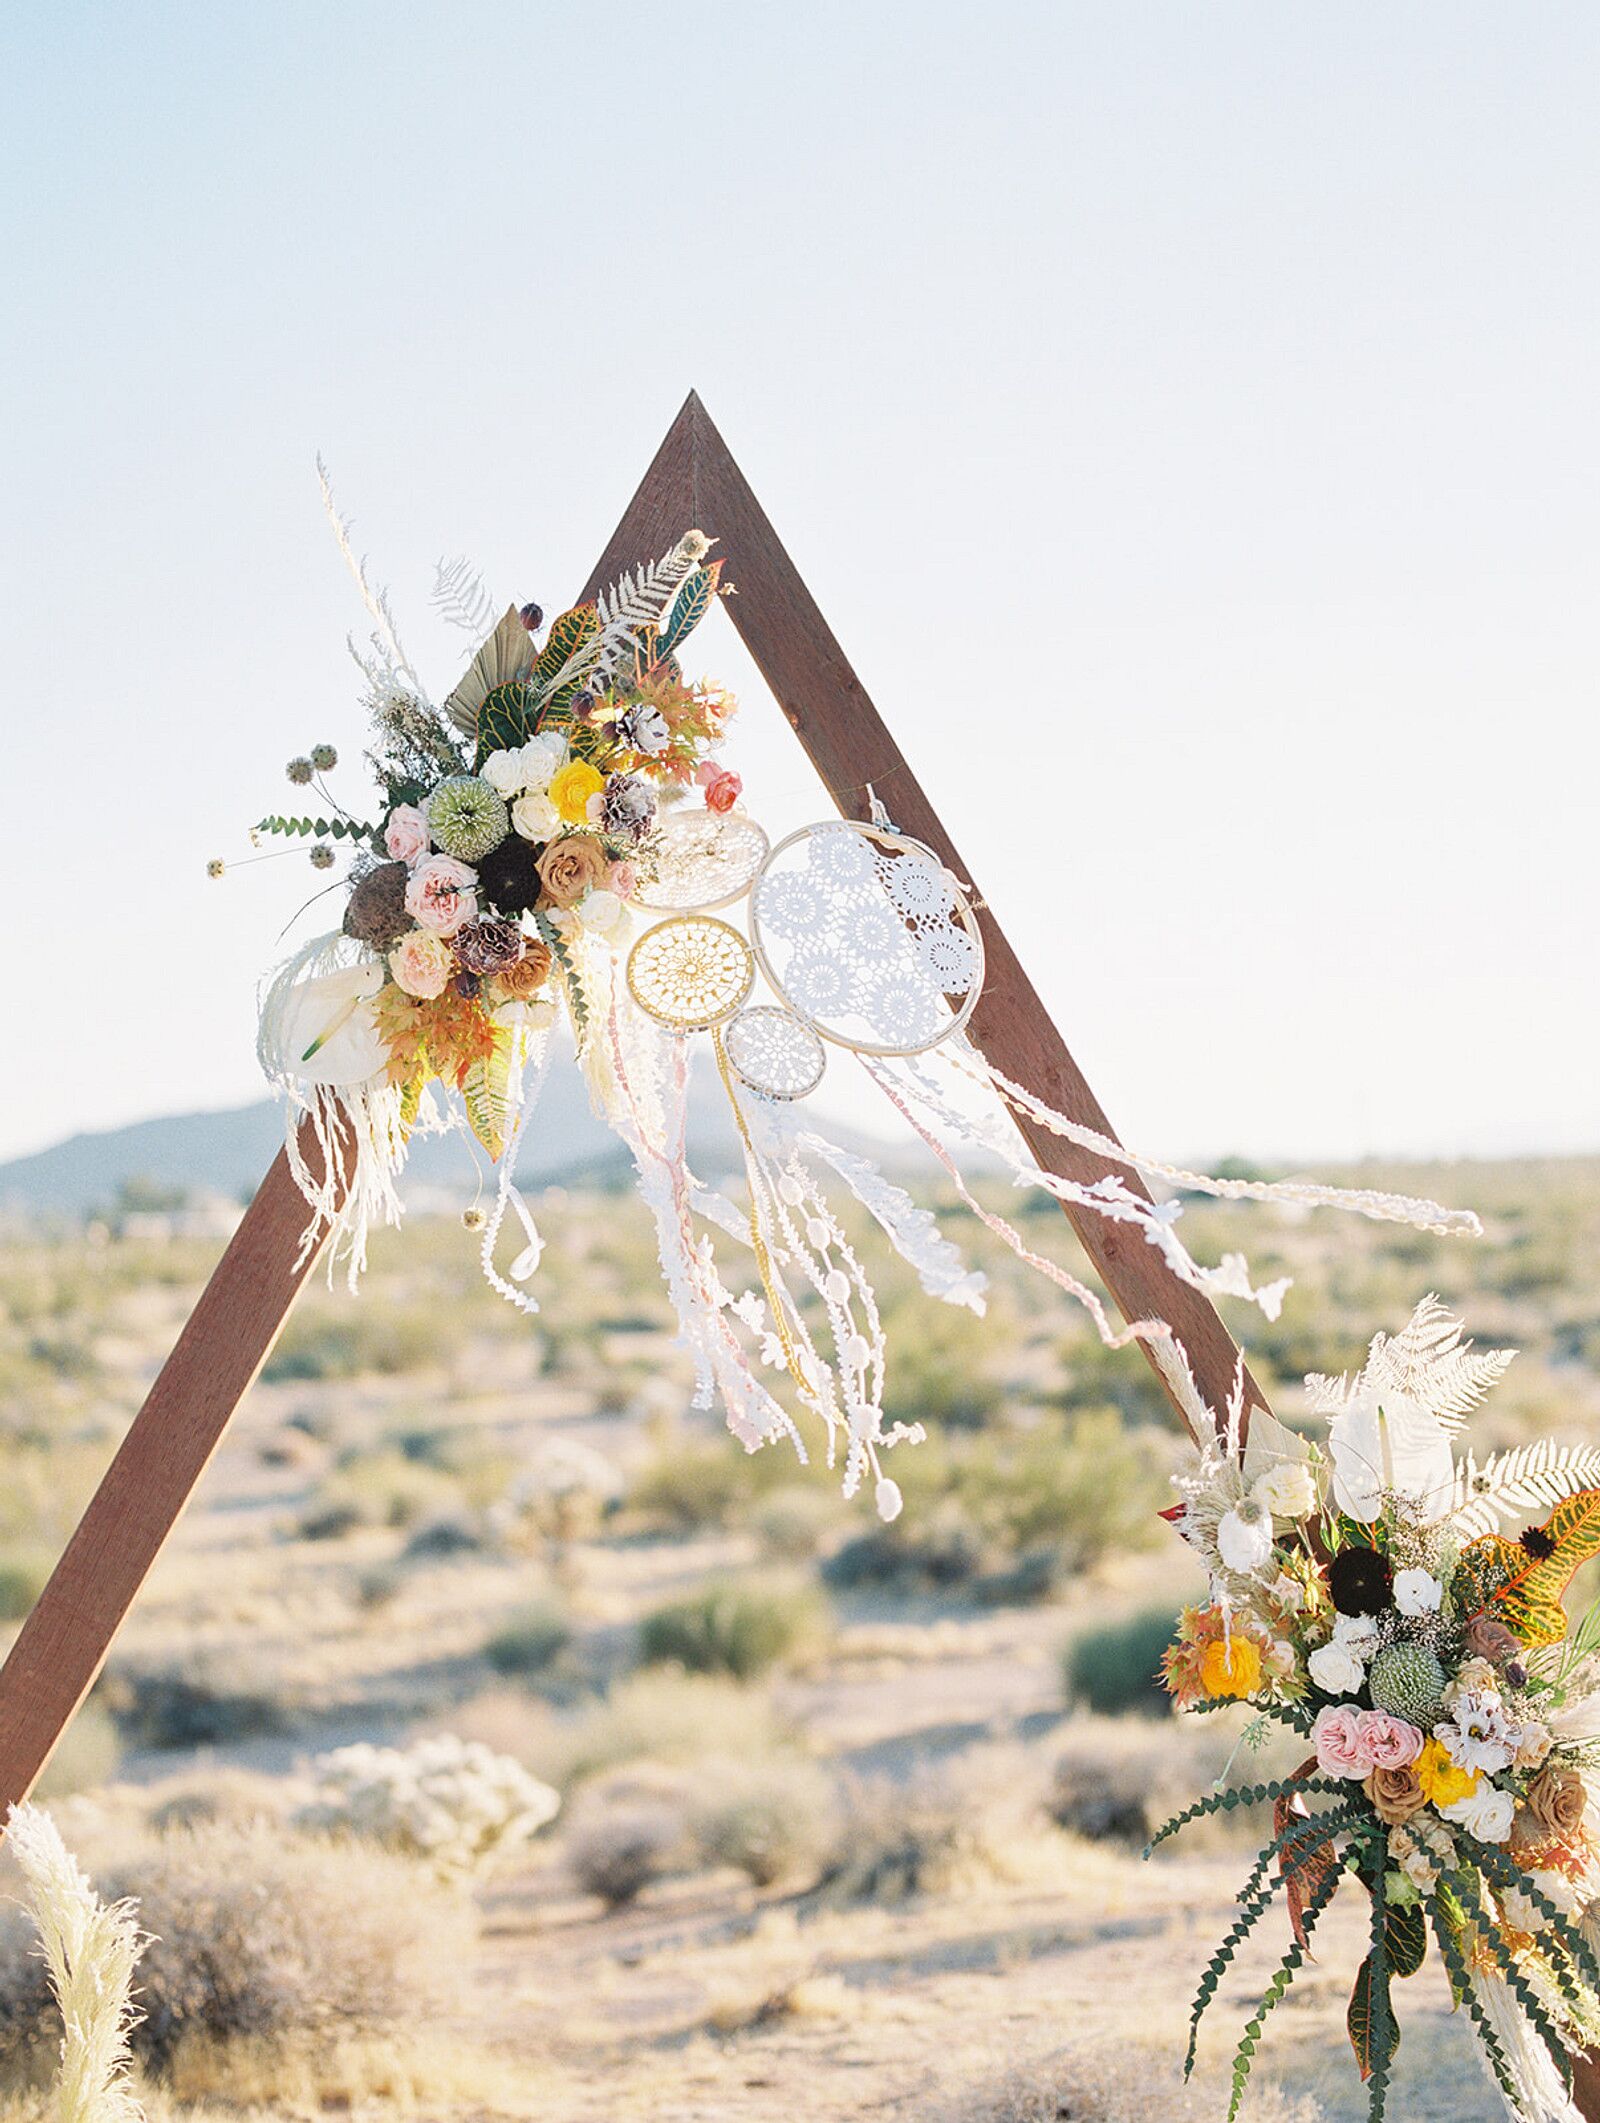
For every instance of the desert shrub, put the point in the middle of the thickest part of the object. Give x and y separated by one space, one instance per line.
452 1802
791 1521
529 1640
935 1549
376 1489
770 1816
902 1838
656 1716
446 1534
1117 1668
691 1483
735 1628
945 1367
190 1707
620 1848
358 1341
1118 1778
22 1579
256 1933
1104 2080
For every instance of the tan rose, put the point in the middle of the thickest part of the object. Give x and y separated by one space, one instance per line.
1558 1799
568 868
1492 1640
521 982
1532 1748
1396 1794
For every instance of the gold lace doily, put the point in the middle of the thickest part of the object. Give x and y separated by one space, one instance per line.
691 973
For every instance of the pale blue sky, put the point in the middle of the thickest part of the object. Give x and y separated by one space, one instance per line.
1185 414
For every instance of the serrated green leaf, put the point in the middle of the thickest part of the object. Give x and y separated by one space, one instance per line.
486 1090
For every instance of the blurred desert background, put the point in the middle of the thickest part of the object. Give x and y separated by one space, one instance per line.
850 1816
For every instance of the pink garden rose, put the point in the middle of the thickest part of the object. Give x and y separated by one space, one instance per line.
1340 1743
442 895
1390 1742
723 791
406 835
624 879
422 965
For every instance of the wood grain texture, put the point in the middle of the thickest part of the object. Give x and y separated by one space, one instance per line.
64 1641
694 482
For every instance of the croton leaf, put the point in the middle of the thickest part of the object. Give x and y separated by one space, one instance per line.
570 634
1522 1586
504 719
1305 1874
689 607
1405 1937
1374 2031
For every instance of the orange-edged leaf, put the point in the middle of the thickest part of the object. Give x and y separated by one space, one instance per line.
1306 1873
503 719
1374 2031
1509 1583
411 1098
563 664
485 1089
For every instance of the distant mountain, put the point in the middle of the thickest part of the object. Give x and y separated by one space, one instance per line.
227 1153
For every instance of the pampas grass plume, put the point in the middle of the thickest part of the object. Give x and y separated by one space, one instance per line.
91 1952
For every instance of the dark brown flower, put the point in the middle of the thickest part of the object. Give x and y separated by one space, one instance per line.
508 876
376 913
487 946
1360 1580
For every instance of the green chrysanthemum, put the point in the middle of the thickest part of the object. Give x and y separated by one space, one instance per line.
466 817
1407 1681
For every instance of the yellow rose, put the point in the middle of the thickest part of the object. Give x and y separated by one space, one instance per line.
1442 1781
1230 1666
571 789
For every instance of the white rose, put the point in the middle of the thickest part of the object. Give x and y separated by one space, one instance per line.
1417 1592
601 911
535 817
1288 1491
503 772
1244 1538
1335 1670
541 758
1484 1813
1358 1633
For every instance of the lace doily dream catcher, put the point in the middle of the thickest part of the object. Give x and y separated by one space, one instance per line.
561 841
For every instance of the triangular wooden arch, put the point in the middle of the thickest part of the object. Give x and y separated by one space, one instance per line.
693 482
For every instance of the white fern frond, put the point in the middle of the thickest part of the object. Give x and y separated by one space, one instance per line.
641 599
389 667
91 1952
1527 1479
1428 1361
460 598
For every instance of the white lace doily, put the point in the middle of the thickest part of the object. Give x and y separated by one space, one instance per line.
867 937
774 1053
691 972
701 860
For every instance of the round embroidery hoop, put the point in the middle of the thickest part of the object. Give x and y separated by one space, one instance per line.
946 925
691 972
773 1052
707 860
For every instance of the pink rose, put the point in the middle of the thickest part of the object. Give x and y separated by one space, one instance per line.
422 965
406 835
1340 1742
723 792
441 895
1390 1742
624 879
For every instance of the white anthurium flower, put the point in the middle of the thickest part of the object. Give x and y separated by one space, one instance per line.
1336 1670
1386 1441
1244 1538
1418 1592
327 1033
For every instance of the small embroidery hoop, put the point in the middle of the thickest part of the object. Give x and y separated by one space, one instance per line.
898 844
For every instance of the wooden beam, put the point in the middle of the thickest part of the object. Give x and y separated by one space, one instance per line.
64 1641
694 481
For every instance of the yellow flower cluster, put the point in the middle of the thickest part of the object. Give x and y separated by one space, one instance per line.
1230 1666
571 789
1443 1781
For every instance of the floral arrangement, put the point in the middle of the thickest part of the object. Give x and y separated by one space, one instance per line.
561 843
1366 1595
454 1802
